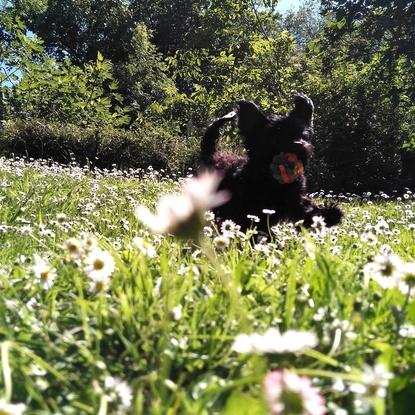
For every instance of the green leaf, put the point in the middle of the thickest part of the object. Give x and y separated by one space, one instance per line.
242 404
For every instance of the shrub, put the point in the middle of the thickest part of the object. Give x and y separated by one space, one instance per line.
100 147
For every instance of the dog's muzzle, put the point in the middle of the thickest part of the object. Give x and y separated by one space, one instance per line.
286 168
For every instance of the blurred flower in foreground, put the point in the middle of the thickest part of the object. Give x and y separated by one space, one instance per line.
289 394
389 271
183 214
99 264
374 384
407 280
385 270
272 341
117 392
144 247
221 242
74 248
44 272
10 408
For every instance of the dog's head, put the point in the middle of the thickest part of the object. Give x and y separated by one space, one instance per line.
279 145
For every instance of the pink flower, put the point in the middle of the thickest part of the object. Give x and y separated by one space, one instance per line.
289 394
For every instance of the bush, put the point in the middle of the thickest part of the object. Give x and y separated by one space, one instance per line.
100 147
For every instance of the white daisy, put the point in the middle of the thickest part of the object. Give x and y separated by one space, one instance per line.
10 408
221 242
74 248
253 218
385 270
407 278
44 272
319 225
176 312
375 381
99 283
118 391
272 341
144 247
99 264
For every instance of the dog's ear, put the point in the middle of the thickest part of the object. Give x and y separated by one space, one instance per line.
250 117
303 109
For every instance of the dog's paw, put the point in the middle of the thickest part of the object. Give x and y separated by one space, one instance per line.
332 213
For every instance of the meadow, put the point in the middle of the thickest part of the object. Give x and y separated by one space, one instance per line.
100 316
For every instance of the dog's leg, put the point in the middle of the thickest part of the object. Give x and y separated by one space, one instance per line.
210 138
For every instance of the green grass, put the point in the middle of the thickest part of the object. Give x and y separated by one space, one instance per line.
166 324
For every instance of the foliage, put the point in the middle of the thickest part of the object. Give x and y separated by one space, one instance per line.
377 22
15 47
358 127
385 29
142 77
34 85
69 94
211 84
80 29
306 23
97 146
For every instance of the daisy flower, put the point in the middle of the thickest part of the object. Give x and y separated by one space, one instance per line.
319 225
375 381
144 247
385 270
183 214
10 408
221 242
74 248
272 341
44 272
253 218
118 391
99 264
176 312
99 283
406 281
289 394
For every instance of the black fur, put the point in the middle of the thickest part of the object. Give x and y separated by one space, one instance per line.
249 178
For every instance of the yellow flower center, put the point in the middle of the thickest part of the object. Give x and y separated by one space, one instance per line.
388 269
410 279
72 248
44 277
99 264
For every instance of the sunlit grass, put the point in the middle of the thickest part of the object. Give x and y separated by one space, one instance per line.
158 338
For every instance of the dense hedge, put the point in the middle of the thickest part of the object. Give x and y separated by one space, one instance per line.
100 147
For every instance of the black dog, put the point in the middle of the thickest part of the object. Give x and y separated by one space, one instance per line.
271 174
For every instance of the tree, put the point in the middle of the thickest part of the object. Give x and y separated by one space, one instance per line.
143 77
383 30
306 23
16 51
79 29
377 25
